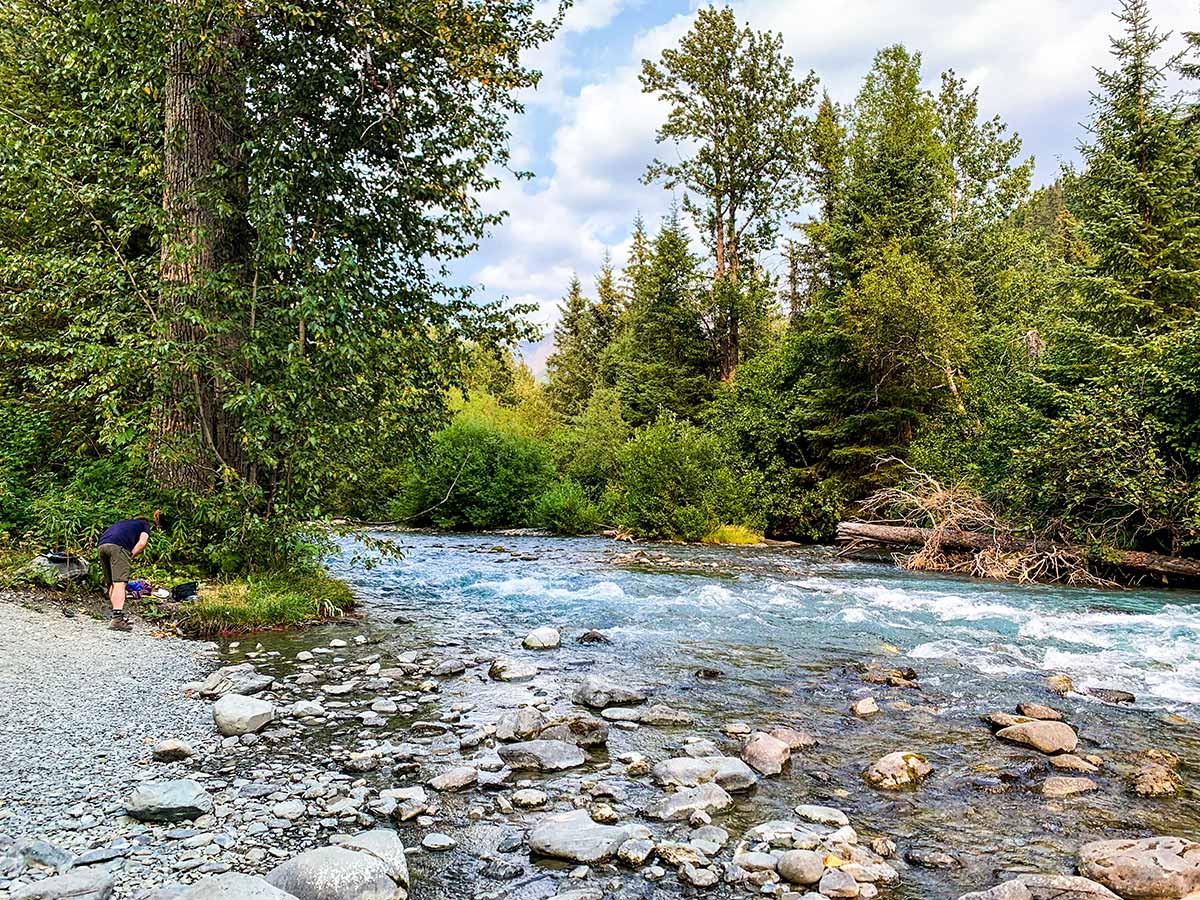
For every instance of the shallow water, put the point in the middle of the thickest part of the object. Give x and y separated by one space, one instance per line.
790 629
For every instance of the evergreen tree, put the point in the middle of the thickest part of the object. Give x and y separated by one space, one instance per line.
1137 198
663 362
898 184
572 365
605 313
827 174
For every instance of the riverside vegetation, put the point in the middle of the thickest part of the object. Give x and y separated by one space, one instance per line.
192 319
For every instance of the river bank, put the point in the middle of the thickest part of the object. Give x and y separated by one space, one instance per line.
408 723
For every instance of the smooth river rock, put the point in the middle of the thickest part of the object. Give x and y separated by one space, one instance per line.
520 724
1058 786
898 770
801 866
81 884
706 798
545 638
544 756
236 714
765 753
1044 887
581 730
1048 737
171 750
337 873
239 679
684 771
234 886
600 692
1155 868
505 668
574 836
179 800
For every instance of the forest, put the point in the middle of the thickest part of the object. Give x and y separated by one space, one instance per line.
224 291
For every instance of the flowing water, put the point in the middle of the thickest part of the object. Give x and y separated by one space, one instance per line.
790 631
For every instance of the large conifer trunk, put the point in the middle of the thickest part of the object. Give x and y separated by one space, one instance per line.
196 441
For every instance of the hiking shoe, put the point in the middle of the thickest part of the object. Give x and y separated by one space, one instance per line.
120 623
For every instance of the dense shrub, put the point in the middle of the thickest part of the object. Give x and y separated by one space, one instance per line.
678 483
588 450
565 508
476 475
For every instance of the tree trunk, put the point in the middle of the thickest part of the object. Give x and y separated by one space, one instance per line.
196 442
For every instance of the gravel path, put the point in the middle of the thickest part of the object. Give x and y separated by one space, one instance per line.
80 707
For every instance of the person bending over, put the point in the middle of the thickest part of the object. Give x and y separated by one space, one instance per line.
119 544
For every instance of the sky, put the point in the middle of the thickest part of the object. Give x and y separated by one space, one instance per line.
588 130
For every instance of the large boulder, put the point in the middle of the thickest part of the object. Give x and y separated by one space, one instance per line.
240 679
897 770
706 798
234 886
179 800
235 714
55 569
338 873
574 836
543 756
1044 887
1155 868
684 771
80 884
385 846
600 692
1048 737
765 753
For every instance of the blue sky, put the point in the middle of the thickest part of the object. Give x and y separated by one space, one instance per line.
588 130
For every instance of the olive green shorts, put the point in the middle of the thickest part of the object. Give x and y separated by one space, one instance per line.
116 563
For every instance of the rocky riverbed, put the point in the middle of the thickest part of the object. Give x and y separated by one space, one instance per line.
384 760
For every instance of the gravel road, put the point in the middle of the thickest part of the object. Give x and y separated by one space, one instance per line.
80 708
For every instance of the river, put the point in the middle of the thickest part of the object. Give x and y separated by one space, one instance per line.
789 632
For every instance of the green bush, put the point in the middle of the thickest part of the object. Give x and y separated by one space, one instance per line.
566 509
477 475
678 483
588 451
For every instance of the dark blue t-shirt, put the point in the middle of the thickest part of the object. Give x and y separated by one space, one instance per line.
125 533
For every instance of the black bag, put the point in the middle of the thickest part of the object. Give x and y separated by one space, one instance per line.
185 591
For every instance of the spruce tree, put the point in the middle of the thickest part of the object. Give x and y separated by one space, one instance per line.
1137 198
898 183
663 361
571 367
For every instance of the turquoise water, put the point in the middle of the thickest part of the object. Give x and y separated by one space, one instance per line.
790 632
802 605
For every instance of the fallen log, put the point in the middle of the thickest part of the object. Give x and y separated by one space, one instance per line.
1133 561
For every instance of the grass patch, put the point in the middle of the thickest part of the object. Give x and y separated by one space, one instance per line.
732 534
266 601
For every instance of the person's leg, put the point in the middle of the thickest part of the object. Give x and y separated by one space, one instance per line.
118 566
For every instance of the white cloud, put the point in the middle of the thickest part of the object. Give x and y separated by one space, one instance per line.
593 132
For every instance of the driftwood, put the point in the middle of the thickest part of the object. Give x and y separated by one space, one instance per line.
1127 561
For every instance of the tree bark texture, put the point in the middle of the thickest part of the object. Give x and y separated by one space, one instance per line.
196 441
